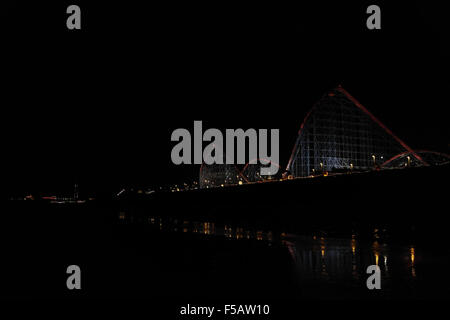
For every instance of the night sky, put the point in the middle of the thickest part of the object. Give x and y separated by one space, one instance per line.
98 106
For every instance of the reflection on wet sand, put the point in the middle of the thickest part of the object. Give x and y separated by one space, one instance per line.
412 253
210 228
318 258
335 260
325 258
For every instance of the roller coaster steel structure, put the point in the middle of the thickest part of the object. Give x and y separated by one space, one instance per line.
340 133
337 135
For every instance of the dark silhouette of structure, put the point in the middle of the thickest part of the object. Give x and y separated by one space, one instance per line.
338 135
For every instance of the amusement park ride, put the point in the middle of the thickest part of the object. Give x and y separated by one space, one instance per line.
338 135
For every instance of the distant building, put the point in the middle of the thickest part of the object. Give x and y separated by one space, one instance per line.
217 175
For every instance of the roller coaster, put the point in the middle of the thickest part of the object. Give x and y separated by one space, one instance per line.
338 135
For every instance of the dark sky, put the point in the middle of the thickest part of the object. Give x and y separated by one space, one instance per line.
98 105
